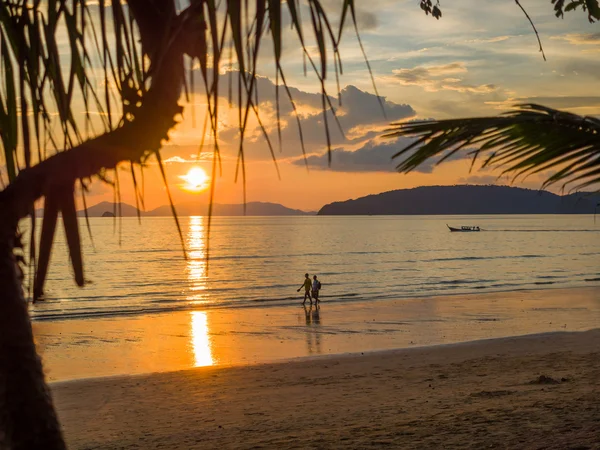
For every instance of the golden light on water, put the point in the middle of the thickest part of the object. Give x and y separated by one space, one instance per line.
196 180
196 271
201 340
196 264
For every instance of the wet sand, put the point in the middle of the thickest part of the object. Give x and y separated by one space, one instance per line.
76 349
537 391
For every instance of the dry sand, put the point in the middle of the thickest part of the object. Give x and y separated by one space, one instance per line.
485 394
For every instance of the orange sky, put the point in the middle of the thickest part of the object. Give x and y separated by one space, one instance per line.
474 61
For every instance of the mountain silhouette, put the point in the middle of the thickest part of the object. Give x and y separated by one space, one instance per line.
107 209
465 199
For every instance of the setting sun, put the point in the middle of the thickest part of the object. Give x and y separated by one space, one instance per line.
196 179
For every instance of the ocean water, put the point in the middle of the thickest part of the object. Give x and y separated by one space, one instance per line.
136 268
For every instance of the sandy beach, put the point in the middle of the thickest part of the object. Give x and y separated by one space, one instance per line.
537 391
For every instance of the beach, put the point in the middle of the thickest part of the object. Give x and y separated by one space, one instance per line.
495 370
538 391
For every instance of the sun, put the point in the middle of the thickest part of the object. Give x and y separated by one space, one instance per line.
196 179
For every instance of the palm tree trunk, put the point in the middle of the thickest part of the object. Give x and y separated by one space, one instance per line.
28 420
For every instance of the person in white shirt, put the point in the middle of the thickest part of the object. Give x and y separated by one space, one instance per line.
316 285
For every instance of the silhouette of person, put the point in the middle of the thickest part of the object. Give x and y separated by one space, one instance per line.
316 285
307 287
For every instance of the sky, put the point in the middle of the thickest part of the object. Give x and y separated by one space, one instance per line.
479 59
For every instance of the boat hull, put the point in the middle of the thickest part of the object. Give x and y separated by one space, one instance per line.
463 230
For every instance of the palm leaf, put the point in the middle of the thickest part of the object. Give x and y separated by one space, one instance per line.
529 140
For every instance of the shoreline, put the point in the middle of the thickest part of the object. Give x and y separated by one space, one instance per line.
96 348
278 303
334 357
534 391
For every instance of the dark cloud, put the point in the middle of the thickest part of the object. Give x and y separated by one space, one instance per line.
481 179
361 108
366 20
357 109
373 156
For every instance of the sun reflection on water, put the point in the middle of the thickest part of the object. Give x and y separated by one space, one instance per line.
201 344
196 264
197 294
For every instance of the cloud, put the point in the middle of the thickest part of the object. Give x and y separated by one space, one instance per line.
580 38
565 101
456 85
366 20
176 159
357 107
488 40
584 68
362 108
374 156
193 159
433 79
481 180
359 114
558 102
421 75
371 157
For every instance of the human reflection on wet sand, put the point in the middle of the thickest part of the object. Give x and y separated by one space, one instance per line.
313 335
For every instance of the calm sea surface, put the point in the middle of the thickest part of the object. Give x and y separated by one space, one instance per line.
261 261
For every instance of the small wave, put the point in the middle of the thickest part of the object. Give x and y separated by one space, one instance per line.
592 279
453 282
480 258
504 285
368 253
461 258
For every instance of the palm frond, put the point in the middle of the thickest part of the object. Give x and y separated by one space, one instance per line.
124 65
528 140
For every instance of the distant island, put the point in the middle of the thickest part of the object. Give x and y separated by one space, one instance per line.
465 199
108 209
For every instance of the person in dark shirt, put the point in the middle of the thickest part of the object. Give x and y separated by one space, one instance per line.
307 285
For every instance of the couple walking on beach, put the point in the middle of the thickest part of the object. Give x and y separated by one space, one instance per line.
310 288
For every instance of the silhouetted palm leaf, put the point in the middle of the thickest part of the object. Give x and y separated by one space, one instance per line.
122 63
531 139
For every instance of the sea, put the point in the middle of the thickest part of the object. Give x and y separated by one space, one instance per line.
144 267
